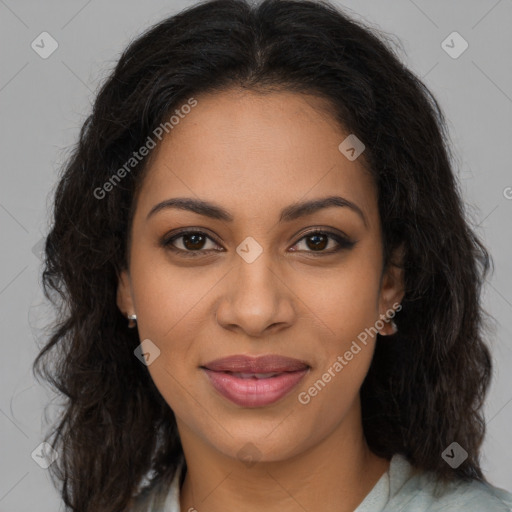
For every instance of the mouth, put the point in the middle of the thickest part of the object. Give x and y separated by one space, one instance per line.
255 382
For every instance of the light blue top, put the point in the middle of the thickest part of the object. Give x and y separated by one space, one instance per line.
400 489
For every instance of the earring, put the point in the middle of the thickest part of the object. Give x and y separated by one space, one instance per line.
394 329
132 319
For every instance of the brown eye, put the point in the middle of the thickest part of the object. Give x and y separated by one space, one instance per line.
190 243
194 241
318 241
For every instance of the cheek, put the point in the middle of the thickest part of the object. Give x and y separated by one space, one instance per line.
169 299
330 396
347 305
345 354
173 382
161 304
347 299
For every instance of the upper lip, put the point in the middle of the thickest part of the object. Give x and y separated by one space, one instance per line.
261 364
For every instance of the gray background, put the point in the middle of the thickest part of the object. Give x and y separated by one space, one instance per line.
44 101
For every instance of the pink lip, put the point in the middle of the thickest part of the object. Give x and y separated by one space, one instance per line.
261 364
253 391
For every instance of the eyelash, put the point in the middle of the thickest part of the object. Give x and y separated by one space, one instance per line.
343 243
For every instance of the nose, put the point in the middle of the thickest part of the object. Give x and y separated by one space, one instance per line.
257 300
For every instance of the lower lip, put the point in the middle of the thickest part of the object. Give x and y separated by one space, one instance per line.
254 392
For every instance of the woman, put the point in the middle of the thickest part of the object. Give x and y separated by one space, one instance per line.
270 296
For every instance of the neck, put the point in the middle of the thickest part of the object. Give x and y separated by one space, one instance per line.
334 475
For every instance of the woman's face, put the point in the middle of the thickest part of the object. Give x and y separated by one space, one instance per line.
258 281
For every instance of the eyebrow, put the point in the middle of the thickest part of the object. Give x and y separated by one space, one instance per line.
289 213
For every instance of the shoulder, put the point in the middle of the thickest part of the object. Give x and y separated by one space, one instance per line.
421 491
473 496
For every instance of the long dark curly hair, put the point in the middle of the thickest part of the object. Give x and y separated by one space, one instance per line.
116 435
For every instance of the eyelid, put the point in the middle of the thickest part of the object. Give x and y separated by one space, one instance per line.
328 231
343 241
167 239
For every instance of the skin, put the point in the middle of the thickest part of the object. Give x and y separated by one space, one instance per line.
254 154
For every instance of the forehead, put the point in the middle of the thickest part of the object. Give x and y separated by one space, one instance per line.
255 153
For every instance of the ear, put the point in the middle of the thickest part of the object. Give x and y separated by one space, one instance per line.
392 283
124 294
